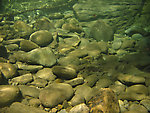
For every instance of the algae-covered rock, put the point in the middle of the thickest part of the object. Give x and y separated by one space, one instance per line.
102 31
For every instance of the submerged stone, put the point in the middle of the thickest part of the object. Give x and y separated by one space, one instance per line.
55 93
8 94
64 72
41 38
102 31
43 56
105 101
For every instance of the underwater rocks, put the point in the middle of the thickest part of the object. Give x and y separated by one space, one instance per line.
22 28
64 72
136 29
61 70
131 79
8 70
43 24
22 108
134 92
3 51
43 56
101 31
8 94
27 45
55 94
41 38
46 74
81 108
105 101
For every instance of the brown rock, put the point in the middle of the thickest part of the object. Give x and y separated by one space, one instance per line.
104 102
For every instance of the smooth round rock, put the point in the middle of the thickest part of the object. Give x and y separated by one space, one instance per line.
8 94
55 93
69 60
44 24
64 72
41 38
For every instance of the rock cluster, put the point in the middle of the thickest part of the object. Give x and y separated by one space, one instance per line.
57 67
